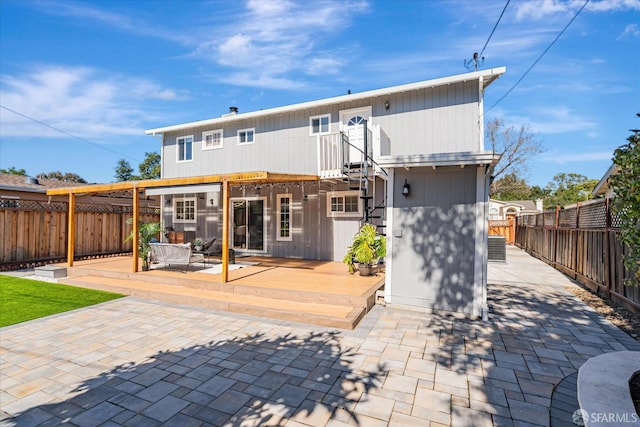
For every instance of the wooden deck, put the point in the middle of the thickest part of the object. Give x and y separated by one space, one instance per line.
315 292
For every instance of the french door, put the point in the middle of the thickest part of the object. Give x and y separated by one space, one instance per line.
352 123
248 224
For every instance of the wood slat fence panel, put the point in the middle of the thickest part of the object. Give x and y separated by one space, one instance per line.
34 231
505 228
583 242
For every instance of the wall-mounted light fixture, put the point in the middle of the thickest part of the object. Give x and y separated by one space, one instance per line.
167 202
386 105
406 189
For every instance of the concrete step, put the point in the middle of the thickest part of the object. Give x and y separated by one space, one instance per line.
330 315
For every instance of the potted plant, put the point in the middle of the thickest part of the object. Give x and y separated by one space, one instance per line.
198 244
146 234
367 248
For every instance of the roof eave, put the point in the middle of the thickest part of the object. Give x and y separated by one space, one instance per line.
488 77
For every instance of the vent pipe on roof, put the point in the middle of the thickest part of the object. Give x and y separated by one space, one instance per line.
30 180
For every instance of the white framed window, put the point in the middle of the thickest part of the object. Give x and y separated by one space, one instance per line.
344 204
246 136
319 125
284 206
184 145
212 140
184 210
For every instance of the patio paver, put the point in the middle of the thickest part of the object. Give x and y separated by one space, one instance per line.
134 361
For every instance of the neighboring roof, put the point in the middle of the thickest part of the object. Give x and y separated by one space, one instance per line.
529 205
259 177
30 184
487 76
603 186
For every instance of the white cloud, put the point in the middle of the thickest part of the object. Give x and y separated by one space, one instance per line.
537 10
124 22
82 101
630 31
572 157
275 44
552 120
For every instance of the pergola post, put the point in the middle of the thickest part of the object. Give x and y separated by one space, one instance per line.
71 229
225 230
136 227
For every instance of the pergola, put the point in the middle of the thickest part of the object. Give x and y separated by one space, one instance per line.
226 180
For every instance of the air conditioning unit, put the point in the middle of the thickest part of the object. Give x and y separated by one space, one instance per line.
497 249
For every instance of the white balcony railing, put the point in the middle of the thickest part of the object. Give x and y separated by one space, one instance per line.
335 152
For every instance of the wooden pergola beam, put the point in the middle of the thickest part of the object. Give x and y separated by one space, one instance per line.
240 178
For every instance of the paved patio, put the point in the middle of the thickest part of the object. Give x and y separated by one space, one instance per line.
140 362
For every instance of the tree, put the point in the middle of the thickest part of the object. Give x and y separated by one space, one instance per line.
124 171
13 171
67 177
626 203
510 187
150 167
516 146
569 188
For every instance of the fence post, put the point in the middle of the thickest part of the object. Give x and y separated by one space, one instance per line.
555 236
607 254
577 245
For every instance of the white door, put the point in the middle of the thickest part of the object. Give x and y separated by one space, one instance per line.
352 123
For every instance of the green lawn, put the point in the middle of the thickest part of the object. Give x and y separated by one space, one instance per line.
26 299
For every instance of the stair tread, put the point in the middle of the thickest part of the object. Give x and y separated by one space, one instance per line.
341 311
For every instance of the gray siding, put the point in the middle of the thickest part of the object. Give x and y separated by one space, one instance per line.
434 238
441 119
315 235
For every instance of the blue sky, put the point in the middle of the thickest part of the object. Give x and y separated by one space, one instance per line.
105 71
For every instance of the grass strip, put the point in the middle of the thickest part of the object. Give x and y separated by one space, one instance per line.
25 299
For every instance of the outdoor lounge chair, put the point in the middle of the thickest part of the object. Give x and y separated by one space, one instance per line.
174 254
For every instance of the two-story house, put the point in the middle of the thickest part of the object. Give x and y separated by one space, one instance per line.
409 159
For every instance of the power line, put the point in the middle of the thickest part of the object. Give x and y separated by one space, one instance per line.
66 133
494 28
539 58
478 59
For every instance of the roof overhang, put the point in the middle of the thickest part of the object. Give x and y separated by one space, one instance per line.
603 185
486 76
440 159
240 178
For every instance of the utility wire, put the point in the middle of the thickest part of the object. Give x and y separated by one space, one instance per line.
66 133
494 28
539 58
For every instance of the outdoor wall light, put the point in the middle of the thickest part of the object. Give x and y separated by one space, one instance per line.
167 202
386 105
406 189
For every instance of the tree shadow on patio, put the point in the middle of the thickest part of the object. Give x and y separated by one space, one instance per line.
251 380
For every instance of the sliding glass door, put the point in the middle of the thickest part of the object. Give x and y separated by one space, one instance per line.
248 224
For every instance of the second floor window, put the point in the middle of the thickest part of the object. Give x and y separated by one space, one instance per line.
246 136
212 139
185 148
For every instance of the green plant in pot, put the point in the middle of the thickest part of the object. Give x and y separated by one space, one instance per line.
367 248
146 233
198 243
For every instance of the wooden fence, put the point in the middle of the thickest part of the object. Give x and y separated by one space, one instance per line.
584 243
35 232
505 228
